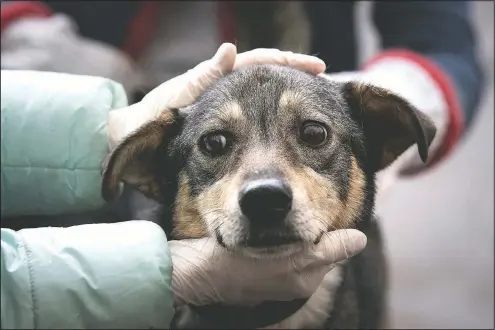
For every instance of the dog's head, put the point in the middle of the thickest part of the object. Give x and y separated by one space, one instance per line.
269 157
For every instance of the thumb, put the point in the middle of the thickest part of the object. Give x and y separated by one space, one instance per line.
202 76
191 270
183 90
339 245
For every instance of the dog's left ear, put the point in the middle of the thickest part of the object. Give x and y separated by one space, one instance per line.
137 159
391 124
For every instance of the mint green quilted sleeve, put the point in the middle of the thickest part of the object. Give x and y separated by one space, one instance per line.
53 140
99 276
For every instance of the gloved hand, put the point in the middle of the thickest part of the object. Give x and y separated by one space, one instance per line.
184 89
205 273
53 44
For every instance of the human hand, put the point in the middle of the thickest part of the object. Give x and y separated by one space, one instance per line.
205 273
186 88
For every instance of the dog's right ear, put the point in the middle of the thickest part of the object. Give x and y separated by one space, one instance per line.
137 158
391 124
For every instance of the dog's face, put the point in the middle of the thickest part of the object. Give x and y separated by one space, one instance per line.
269 158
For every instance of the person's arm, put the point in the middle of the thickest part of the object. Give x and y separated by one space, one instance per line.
428 57
432 43
86 277
54 140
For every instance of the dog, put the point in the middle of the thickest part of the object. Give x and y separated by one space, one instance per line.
269 159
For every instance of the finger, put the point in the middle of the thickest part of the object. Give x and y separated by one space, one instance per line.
188 273
342 76
207 73
185 89
191 248
220 64
340 245
302 62
224 58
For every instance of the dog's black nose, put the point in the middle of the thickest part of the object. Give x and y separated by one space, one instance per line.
266 201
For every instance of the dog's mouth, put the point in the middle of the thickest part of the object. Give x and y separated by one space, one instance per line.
267 245
271 246
271 241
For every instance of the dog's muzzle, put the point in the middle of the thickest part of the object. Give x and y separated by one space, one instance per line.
266 204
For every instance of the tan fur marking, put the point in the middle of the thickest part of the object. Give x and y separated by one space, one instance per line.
289 100
371 97
231 111
317 197
214 203
355 197
187 220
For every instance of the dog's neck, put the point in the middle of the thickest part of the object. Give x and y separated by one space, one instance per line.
318 308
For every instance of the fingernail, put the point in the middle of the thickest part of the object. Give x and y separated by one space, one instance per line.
320 65
361 242
224 49
315 64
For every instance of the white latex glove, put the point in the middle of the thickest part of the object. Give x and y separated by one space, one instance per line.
205 273
412 82
53 44
185 89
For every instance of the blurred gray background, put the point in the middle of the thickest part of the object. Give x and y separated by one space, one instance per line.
439 226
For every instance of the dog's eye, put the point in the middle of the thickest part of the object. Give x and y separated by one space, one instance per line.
215 144
313 133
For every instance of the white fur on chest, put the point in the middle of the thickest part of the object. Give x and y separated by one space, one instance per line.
318 308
